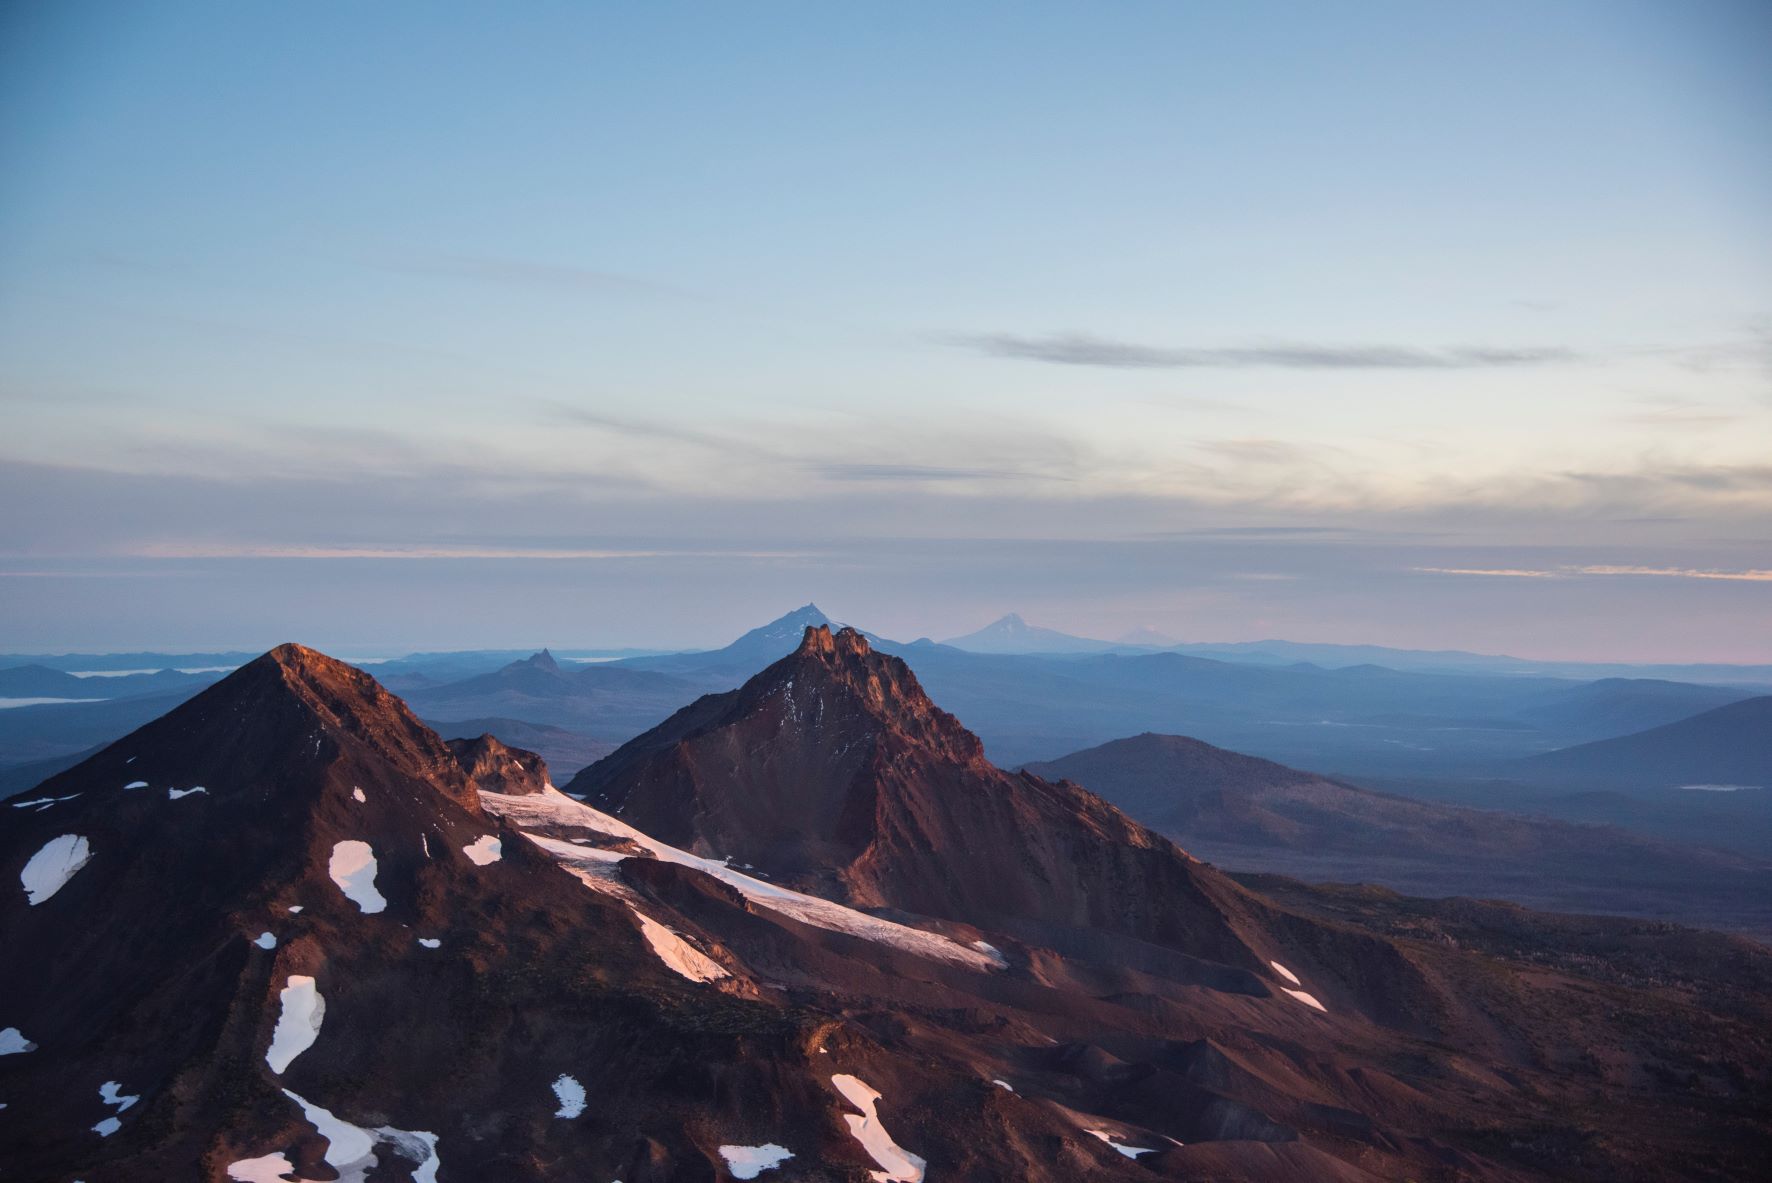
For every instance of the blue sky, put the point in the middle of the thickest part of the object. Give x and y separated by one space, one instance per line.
444 324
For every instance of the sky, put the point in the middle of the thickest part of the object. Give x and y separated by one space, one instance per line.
393 326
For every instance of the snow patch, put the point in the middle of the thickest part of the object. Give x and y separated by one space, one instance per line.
175 794
1128 1151
136 784
357 794
266 940
678 953
107 1127
1307 999
269 1169
351 1149
747 1162
1286 973
353 869
571 1095
483 850
110 1092
595 869
50 868
430 942
298 1026
1003 1084
900 1165
13 1042
294 908
991 951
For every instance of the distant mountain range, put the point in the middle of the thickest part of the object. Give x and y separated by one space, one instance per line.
801 929
1254 815
1416 732
38 681
1012 634
1725 749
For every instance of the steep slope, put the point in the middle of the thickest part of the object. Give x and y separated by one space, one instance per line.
1728 746
274 933
286 931
832 770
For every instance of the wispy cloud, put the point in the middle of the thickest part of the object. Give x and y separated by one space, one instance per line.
1748 576
656 429
1083 349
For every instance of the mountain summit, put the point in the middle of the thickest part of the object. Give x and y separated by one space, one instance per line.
1012 634
832 770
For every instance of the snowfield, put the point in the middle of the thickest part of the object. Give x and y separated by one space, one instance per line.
1128 1151
298 1026
571 1095
350 1149
595 868
271 1168
898 1164
747 1162
352 867
678 953
51 867
1307 999
484 850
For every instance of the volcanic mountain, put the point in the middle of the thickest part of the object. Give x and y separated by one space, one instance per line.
288 932
1012 634
1729 747
833 771
1256 815
604 701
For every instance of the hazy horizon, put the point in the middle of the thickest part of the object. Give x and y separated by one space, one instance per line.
1423 327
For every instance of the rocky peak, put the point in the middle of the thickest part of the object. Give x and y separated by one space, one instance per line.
842 663
543 661
291 707
495 767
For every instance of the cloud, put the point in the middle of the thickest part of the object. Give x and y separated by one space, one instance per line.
1082 349
1748 576
1488 572
656 430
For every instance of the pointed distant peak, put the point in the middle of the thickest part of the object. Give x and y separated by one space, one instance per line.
802 617
1011 620
542 661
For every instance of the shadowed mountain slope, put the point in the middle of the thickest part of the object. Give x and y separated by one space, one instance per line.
287 931
1728 746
